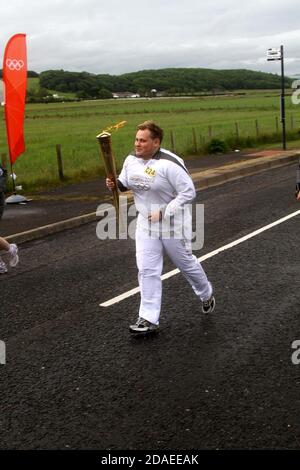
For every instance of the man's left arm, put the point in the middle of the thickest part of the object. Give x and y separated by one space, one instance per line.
184 188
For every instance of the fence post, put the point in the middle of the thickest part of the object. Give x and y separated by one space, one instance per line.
172 141
257 127
4 160
59 162
237 131
195 140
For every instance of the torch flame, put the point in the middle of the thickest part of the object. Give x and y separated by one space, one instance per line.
114 127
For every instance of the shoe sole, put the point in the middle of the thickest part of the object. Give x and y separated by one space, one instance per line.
143 333
211 309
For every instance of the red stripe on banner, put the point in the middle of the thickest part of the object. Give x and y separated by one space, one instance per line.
15 81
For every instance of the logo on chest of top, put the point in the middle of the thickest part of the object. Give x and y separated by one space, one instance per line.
140 182
150 171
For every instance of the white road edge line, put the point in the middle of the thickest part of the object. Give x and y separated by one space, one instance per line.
136 290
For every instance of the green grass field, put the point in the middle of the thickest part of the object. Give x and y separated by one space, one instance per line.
75 126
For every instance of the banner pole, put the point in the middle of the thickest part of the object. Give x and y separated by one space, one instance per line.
13 179
15 198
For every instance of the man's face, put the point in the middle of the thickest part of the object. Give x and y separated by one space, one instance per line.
145 145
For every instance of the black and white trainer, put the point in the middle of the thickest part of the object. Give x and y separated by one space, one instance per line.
208 306
143 326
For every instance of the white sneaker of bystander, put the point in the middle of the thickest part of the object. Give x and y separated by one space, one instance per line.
13 255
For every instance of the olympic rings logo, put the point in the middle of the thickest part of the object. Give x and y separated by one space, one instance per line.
14 64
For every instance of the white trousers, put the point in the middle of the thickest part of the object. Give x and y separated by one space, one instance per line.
149 255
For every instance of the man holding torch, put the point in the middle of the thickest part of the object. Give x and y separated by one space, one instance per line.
162 188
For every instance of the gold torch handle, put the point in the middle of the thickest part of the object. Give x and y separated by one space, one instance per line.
104 140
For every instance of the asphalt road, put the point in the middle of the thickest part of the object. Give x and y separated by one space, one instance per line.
74 378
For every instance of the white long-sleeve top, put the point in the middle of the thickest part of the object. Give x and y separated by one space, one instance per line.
159 183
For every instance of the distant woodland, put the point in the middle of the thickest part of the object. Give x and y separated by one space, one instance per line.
171 81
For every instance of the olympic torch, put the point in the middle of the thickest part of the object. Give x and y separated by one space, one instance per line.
104 140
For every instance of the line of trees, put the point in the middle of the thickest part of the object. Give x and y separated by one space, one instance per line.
170 81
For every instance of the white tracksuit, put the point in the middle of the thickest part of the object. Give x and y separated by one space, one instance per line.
162 183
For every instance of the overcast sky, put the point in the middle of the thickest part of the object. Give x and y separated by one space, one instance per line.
115 36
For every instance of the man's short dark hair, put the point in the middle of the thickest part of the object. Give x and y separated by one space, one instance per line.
156 131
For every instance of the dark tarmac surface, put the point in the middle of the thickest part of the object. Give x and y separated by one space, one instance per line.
75 379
